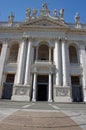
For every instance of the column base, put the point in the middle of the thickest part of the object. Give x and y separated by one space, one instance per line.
33 100
21 93
62 94
50 100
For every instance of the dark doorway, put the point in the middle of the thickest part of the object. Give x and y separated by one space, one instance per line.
77 93
7 90
42 88
8 87
42 92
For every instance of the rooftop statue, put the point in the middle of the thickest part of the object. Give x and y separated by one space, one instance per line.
28 12
11 17
34 12
62 13
44 6
77 18
44 11
55 13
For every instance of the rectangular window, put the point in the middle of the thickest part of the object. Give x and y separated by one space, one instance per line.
10 78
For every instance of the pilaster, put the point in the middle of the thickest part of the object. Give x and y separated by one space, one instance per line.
21 64
50 53
57 60
28 63
64 62
2 62
62 92
83 65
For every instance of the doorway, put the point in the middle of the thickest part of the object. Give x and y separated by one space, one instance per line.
8 87
42 88
42 92
77 93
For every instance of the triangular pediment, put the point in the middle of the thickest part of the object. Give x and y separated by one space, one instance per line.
45 22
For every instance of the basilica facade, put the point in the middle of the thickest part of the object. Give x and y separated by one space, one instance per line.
43 58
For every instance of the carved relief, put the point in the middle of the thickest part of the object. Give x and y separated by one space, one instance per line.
62 92
21 91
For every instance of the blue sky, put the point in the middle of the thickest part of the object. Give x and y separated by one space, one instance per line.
18 7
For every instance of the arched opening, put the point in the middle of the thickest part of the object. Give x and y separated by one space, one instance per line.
43 52
0 48
13 54
73 54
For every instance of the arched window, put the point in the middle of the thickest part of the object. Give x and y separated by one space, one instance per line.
0 48
73 54
43 52
13 53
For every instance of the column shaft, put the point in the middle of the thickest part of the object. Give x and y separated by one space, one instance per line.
83 64
34 87
64 63
50 53
50 88
2 59
28 64
57 60
36 53
21 63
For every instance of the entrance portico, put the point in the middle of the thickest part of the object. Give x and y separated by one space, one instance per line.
41 63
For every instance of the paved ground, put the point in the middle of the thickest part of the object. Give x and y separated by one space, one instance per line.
42 116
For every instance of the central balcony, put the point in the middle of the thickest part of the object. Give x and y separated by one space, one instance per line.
44 66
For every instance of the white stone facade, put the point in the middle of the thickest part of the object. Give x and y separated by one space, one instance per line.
43 58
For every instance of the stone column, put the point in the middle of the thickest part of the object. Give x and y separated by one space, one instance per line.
2 63
50 53
3 58
21 62
28 63
57 60
83 65
64 62
36 53
50 88
34 87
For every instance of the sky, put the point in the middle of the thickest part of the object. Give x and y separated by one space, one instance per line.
18 7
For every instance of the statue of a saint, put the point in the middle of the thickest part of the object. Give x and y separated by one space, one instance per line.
28 12
77 18
11 18
55 13
34 13
62 13
44 6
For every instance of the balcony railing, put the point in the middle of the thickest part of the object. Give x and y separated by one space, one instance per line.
43 63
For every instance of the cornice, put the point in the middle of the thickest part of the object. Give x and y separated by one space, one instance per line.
43 29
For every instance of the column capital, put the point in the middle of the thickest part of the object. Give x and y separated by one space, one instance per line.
24 39
58 39
30 38
64 39
35 70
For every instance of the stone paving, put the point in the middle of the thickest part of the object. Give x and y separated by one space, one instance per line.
42 116
38 120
